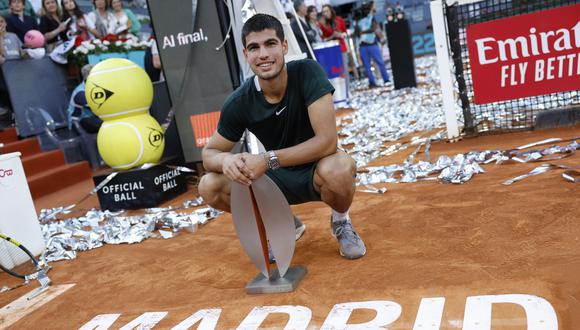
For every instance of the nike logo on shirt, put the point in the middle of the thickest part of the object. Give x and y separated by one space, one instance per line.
280 111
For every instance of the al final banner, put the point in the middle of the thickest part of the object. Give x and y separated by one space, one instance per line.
526 55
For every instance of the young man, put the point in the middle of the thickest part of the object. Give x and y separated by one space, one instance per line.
17 21
289 108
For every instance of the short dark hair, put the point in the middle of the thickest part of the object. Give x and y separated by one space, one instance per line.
11 1
261 22
297 4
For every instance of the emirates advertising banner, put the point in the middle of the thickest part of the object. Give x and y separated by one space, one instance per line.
526 55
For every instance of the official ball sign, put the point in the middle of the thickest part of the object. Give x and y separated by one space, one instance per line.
137 188
527 55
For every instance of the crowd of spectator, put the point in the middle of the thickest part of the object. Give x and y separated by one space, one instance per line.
312 28
62 20
58 21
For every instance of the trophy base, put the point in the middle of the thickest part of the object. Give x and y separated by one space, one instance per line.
277 284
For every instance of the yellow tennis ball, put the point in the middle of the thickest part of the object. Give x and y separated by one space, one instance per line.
130 142
118 88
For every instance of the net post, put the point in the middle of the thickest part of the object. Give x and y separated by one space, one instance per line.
444 64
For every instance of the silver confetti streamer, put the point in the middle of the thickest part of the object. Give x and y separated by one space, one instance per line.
462 167
65 237
572 176
384 116
538 170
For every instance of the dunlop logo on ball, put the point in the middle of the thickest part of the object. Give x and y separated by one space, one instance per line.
100 95
155 137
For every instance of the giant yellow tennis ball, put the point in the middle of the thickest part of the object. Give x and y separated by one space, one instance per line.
130 142
118 88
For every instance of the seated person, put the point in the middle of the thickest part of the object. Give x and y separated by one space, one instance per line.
10 45
10 49
79 25
125 19
5 8
52 24
78 109
17 22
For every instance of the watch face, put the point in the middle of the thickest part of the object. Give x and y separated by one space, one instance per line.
273 162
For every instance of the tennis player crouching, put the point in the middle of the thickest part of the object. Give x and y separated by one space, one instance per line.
289 107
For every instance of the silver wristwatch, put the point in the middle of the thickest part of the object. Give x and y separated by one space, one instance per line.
272 160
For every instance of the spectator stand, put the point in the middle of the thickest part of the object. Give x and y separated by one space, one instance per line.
39 91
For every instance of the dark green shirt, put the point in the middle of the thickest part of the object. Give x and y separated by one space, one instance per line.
281 125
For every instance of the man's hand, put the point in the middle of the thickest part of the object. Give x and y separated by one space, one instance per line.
244 167
234 167
256 164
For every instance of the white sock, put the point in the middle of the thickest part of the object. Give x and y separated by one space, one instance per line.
337 216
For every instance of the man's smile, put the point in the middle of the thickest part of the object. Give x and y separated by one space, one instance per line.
266 64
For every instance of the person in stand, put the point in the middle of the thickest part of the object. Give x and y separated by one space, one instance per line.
10 44
79 110
334 28
52 24
289 108
367 30
10 49
312 21
102 19
5 8
79 25
156 61
300 9
17 22
125 19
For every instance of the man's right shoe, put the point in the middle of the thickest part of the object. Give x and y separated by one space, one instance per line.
351 246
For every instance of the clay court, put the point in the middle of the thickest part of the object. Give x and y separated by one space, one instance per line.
424 240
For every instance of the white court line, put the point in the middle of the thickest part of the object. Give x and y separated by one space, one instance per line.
21 307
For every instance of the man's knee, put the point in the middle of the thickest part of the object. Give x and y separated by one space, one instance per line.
337 167
211 186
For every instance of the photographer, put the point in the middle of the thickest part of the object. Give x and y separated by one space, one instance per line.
369 33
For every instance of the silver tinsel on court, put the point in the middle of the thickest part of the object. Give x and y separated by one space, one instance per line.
65 237
382 118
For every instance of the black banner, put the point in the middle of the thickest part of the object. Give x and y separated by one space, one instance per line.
188 35
137 189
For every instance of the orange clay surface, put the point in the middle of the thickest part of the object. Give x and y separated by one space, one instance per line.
424 240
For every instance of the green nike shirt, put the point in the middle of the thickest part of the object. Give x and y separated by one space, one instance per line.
280 125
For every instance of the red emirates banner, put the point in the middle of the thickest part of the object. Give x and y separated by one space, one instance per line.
527 55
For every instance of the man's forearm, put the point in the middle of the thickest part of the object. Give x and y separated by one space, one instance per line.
213 159
308 151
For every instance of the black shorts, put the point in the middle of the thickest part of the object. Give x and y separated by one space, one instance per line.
296 183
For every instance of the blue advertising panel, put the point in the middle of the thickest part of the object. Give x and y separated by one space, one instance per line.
418 14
